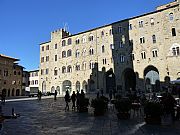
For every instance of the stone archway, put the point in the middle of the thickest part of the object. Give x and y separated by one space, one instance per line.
152 74
129 79
110 81
9 92
67 85
17 92
52 89
78 87
84 86
58 90
44 87
12 92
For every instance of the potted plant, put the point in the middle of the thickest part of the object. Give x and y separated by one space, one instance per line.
153 112
123 107
99 105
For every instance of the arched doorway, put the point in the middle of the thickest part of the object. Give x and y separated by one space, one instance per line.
129 79
151 76
84 86
91 86
58 89
44 87
66 86
9 92
78 87
110 81
12 92
52 89
17 92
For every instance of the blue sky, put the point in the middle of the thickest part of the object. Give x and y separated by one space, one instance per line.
24 24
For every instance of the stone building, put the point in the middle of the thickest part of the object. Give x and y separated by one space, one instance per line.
25 82
139 53
10 76
34 81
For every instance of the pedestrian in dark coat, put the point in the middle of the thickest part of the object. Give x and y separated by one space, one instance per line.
73 98
67 100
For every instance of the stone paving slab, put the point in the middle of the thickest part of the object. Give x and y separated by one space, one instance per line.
47 117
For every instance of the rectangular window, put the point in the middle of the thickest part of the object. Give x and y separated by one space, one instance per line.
47 71
154 52
55 46
42 59
142 40
140 24
55 57
143 55
131 42
42 48
119 29
47 58
154 38
47 47
130 26
173 32
42 71
152 21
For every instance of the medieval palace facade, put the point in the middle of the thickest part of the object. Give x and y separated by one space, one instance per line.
141 53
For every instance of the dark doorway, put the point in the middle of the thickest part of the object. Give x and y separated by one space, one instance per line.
110 81
130 79
17 92
152 74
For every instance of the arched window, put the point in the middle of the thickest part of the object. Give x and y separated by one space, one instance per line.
122 58
103 49
69 41
69 69
102 33
171 17
155 53
77 41
154 38
91 65
84 65
84 39
77 67
69 53
55 71
110 32
77 53
63 42
175 49
143 55
63 69
84 52
91 51
63 54
91 37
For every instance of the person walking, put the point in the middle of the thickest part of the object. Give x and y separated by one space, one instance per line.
55 94
73 98
67 100
77 100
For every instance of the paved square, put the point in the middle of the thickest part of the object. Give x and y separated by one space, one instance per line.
47 117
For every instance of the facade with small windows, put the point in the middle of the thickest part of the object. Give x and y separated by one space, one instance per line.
33 81
135 53
10 76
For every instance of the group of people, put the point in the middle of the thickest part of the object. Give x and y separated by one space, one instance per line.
75 97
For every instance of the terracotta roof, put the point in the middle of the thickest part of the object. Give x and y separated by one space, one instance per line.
4 56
